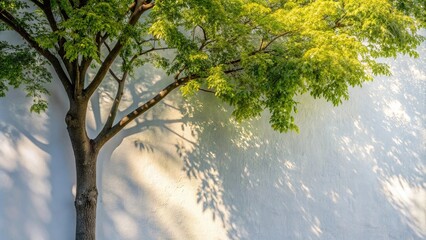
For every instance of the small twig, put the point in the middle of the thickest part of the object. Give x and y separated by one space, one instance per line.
207 90
275 38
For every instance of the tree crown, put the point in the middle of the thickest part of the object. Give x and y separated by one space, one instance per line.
254 55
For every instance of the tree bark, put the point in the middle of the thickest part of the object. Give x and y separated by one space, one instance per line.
85 154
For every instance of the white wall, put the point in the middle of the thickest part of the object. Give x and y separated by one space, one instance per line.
357 171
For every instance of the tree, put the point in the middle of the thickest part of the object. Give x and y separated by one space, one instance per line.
253 55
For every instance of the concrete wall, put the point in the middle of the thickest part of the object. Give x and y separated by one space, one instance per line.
357 171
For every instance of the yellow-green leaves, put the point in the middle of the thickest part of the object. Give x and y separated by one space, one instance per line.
253 54
333 62
190 88
218 81
81 46
384 29
259 54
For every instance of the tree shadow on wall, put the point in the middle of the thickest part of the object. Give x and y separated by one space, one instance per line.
36 171
353 172
124 211
171 119
251 179
330 181
391 142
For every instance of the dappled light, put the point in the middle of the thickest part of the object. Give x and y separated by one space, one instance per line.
34 177
248 182
185 171
409 200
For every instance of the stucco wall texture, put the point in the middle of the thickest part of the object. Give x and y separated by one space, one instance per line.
185 171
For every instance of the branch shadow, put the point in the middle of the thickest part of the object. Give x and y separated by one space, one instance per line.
36 171
184 171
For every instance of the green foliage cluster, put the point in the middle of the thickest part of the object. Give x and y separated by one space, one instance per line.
254 55
21 66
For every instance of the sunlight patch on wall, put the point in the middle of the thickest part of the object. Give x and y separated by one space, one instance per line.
394 109
157 188
409 200
24 174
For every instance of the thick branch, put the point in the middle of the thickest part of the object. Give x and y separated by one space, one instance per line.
141 7
7 18
47 9
111 132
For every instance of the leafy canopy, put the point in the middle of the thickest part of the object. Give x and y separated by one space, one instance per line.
254 55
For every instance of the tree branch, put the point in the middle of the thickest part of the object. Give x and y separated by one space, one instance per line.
275 38
233 70
82 3
71 2
111 132
115 105
85 64
103 70
114 75
140 8
145 52
37 3
13 23
47 9
62 11
204 33
207 90
7 18
107 46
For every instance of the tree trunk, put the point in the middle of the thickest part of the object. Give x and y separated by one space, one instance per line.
86 200
85 154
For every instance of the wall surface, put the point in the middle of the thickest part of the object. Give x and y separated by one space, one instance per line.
184 171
